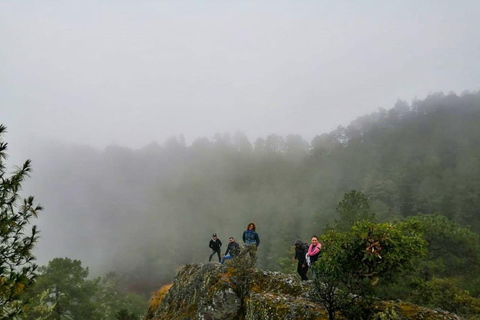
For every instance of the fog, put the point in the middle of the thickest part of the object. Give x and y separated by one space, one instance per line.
131 73
83 83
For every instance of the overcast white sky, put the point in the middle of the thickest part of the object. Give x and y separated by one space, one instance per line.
133 72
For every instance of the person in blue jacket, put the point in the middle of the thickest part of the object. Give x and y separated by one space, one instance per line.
251 240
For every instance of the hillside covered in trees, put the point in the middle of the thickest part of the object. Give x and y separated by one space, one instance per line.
142 207
144 212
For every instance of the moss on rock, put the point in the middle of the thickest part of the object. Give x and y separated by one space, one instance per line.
229 292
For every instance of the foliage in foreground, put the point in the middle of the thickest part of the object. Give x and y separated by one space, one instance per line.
448 274
353 263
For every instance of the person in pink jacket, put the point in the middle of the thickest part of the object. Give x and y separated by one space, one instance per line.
313 253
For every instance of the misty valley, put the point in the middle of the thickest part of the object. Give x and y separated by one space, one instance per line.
393 198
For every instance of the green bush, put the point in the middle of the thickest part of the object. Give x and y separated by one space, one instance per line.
354 263
447 295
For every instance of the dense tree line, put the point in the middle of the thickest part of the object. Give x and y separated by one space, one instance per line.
163 202
413 159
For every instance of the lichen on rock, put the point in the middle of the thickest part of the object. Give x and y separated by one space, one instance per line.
239 291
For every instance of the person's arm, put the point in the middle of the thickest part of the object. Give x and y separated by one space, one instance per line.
312 252
315 251
228 249
257 239
220 242
210 245
243 237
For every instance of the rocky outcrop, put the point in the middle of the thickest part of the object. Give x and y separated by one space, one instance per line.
235 291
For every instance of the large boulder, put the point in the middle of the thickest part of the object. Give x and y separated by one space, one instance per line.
239 291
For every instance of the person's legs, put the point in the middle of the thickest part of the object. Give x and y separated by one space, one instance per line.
210 258
228 256
299 270
303 271
314 276
251 251
219 258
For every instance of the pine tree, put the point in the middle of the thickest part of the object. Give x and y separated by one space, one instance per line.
17 269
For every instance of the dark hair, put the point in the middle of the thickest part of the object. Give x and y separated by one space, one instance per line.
251 224
314 237
231 238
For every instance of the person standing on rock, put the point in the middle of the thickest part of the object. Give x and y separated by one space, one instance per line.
233 249
301 250
251 240
313 254
215 245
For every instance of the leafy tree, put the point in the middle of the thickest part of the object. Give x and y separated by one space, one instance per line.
69 291
353 263
453 251
447 295
63 291
452 254
241 143
275 144
38 307
354 207
123 314
17 269
113 295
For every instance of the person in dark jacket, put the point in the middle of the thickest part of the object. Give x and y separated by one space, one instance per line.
215 245
251 240
233 249
301 250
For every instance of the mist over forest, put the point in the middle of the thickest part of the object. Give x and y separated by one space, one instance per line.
143 212
152 125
